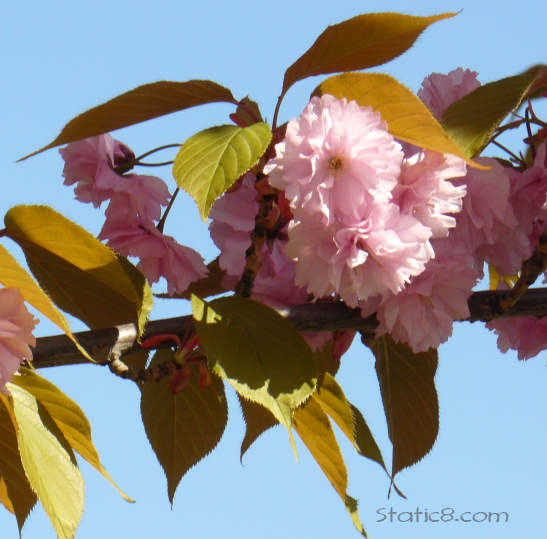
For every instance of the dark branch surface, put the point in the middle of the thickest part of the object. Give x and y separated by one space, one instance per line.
106 344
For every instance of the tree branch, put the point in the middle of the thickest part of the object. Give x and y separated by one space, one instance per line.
110 343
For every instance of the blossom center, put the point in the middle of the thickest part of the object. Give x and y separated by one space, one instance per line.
335 164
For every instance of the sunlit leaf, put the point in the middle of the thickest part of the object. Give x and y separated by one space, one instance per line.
182 428
16 493
410 399
138 105
49 463
257 421
313 426
81 275
68 417
471 121
407 117
350 421
363 41
258 351
210 161
12 274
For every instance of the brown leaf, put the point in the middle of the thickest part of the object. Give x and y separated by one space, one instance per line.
363 41
257 421
410 399
182 428
138 105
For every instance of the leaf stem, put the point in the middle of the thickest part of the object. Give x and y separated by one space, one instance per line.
154 164
514 156
161 224
159 148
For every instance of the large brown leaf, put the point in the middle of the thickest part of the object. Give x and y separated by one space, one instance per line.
410 399
363 41
138 105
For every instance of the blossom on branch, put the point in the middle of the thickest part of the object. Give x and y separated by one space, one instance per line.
16 325
160 255
526 334
361 226
439 91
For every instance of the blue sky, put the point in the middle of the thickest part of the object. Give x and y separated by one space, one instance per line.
60 58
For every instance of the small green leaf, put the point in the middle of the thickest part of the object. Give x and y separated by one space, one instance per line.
81 275
138 105
49 463
472 120
16 493
257 421
410 399
258 351
68 417
407 117
363 41
12 274
210 161
182 428
348 418
314 428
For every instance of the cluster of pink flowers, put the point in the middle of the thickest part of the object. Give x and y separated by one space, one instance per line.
16 325
390 228
98 166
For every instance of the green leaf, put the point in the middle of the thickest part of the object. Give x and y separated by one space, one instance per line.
410 399
81 275
348 418
68 417
257 421
407 117
313 426
49 463
16 493
12 274
472 120
182 428
210 161
260 353
363 41
138 105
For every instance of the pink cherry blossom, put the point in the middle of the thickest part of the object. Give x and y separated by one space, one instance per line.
16 325
96 164
160 255
426 192
94 161
422 314
233 219
334 158
339 166
526 334
439 91
487 223
528 196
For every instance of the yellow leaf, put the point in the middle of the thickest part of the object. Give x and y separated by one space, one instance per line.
49 463
68 417
407 117
82 276
15 491
12 274
314 428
